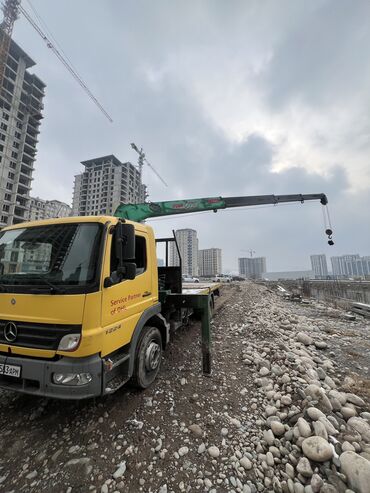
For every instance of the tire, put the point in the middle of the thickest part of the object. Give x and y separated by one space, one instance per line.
148 358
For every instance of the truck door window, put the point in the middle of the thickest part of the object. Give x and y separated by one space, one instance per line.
140 254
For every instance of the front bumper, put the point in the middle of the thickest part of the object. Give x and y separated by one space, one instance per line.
36 376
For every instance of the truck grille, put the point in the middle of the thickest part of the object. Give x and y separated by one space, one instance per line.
37 336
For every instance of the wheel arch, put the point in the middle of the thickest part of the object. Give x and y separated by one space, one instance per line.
151 316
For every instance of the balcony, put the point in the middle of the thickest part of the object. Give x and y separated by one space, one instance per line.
31 140
31 152
23 190
21 204
34 125
28 165
25 176
19 213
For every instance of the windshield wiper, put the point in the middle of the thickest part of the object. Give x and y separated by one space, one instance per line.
3 288
53 288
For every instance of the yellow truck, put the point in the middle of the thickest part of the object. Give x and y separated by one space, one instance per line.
84 307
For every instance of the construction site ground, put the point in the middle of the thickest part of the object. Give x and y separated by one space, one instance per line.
194 433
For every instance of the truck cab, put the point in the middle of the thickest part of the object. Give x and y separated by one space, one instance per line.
79 308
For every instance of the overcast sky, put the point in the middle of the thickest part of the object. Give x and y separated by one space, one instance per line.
227 98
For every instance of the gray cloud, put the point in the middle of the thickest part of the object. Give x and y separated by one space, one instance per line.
220 94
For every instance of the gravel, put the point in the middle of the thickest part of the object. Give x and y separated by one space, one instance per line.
281 413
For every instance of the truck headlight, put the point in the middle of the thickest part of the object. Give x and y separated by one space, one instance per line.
72 378
70 342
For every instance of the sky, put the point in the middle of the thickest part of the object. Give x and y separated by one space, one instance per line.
227 98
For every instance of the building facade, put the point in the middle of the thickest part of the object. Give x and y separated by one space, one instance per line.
21 106
210 262
345 266
47 209
252 268
188 245
319 266
104 185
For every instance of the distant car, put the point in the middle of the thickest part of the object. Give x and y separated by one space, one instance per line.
190 279
221 279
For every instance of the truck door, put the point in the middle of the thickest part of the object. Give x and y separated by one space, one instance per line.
123 303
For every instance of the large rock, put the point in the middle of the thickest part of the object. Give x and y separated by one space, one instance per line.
304 338
277 428
347 412
361 426
318 394
246 463
196 430
304 467
304 428
320 430
317 449
214 451
357 401
357 470
315 413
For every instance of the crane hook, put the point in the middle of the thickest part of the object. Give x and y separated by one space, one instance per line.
327 224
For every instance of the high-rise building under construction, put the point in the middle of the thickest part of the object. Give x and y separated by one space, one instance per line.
104 185
21 106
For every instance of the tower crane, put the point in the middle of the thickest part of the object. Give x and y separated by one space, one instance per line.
143 159
11 10
251 252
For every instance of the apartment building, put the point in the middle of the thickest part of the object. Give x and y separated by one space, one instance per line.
21 106
210 262
105 183
350 266
188 245
252 268
319 266
47 209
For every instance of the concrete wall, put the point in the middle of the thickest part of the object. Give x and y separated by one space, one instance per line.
332 290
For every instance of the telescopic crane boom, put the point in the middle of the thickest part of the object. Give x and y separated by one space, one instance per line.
140 212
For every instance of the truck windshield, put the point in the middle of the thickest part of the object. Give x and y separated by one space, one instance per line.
54 256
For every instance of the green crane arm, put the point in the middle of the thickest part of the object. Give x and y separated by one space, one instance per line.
140 212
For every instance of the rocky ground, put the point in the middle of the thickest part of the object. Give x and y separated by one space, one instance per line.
286 410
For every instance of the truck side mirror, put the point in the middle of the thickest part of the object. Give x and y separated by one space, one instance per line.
127 271
125 242
124 248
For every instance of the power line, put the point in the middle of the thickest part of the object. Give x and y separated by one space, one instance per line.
64 60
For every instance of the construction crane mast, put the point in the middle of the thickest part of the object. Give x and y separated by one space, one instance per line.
11 11
143 159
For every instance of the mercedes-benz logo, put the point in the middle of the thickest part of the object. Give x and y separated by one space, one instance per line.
10 332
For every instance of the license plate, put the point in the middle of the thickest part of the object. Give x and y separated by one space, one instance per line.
10 370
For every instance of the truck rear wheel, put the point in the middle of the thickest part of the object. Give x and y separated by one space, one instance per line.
147 358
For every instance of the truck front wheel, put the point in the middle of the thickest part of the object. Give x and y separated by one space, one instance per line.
147 358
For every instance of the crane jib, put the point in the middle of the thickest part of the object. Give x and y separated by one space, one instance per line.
140 212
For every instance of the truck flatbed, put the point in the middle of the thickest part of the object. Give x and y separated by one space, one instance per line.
200 287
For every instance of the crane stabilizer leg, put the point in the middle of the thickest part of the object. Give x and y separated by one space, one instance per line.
140 212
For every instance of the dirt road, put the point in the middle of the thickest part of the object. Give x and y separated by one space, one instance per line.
189 432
